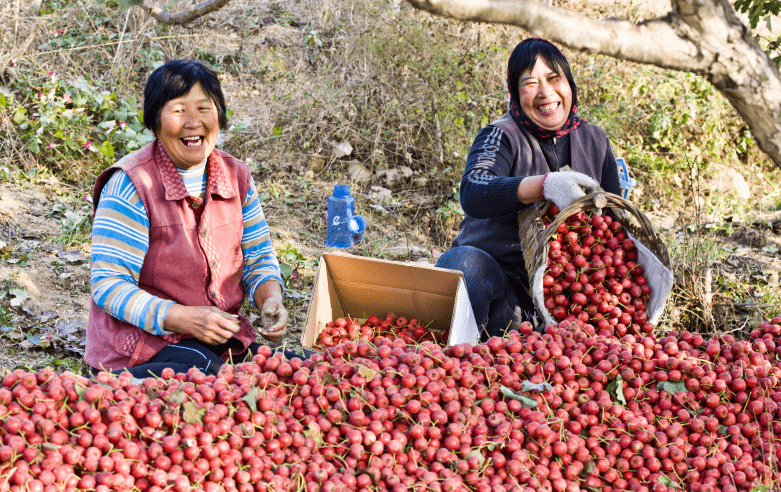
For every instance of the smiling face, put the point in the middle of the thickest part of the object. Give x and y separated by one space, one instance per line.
545 96
189 127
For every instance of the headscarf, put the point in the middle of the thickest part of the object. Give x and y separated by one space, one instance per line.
531 49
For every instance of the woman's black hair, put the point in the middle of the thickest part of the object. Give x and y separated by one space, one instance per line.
175 79
524 57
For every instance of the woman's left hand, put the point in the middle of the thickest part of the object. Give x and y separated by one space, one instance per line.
273 318
273 315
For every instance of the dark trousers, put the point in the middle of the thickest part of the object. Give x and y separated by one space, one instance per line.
499 302
193 353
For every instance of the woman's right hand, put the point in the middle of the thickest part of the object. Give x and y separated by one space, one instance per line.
206 323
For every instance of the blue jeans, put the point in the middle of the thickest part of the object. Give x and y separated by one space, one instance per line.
499 302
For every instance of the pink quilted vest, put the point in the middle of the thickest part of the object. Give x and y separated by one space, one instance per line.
194 256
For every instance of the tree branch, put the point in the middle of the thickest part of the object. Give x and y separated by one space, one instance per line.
652 42
700 36
185 16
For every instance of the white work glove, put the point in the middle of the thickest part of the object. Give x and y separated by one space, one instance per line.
564 187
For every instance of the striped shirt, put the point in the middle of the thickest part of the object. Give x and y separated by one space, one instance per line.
120 241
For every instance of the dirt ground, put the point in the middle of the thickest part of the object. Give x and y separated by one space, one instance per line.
49 314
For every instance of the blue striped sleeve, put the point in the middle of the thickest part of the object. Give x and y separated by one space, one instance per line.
260 262
120 241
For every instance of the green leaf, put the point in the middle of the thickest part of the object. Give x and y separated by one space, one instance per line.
80 390
475 453
526 401
541 387
121 113
671 387
20 116
252 398
107 149
19 292
616 388
668 482
34 338
285 270
32 144
588 469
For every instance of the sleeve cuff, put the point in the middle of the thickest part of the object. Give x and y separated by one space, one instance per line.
160 319
254 287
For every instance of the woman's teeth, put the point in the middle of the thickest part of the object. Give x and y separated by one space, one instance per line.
192 141
548 108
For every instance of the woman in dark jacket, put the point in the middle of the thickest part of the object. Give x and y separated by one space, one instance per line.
514 162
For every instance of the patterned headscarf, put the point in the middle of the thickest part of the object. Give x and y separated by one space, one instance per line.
523 57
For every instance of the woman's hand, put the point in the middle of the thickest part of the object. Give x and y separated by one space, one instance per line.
273 315
274 318
530 189
206 323
564 187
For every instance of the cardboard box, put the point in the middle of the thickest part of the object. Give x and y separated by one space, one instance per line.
359 287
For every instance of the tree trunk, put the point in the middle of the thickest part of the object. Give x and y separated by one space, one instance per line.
705 37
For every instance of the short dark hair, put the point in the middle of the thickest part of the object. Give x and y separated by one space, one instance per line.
524 57
175 79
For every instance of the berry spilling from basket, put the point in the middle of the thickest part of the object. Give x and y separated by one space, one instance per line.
411 330
592 276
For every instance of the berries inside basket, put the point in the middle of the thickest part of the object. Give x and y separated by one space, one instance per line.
598 262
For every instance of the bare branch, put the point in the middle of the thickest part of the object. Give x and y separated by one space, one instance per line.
700 36
651 42
185 16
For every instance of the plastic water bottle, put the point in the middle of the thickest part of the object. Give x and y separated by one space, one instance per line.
344 227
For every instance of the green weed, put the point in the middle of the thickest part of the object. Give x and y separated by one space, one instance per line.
74 128
76 227
13 292
290 261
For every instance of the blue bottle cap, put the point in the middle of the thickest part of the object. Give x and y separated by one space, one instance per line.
357 224
341 191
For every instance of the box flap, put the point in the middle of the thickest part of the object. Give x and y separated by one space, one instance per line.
464 319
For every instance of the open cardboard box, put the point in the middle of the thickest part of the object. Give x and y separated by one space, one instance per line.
359 287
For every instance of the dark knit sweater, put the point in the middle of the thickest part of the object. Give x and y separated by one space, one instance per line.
501 156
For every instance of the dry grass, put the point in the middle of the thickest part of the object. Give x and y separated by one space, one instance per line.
406 90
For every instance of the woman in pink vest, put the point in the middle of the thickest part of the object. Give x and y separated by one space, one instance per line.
179 240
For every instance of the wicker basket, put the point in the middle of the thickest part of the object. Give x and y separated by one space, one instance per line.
535 238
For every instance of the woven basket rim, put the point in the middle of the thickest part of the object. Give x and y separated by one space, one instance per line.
535 236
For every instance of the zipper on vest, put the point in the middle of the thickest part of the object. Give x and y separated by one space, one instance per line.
555 154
